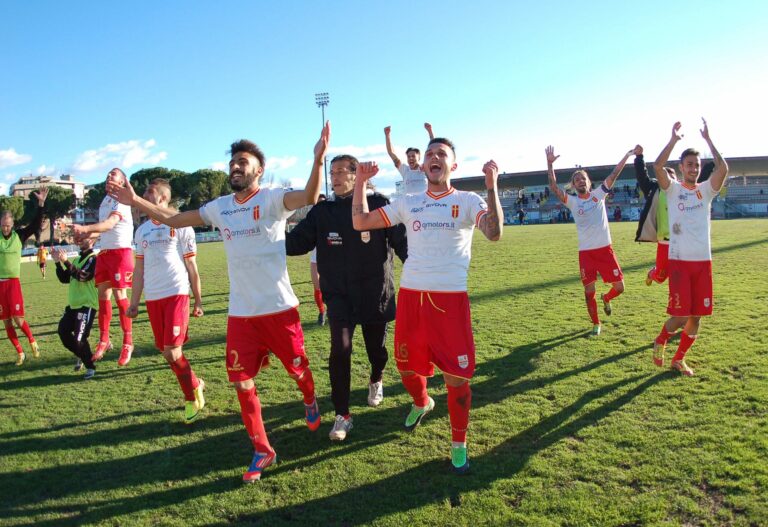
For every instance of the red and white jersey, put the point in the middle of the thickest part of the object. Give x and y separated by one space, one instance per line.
121 235
163 249
254 238
688 210
591 219
439 229
414 181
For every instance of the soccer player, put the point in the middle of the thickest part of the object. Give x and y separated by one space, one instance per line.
433 325
690 253
82 302
164 268
595 252
114 269
315 276
358 282
262 306
11 299
42 259
654 223
414 179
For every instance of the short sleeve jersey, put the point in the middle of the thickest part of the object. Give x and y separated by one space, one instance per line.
254 239
121 235
689 227
591 219
415 181
163 250
439 228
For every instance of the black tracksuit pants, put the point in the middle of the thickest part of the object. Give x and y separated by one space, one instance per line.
74 328
340 361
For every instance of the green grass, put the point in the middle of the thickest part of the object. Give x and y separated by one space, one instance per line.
565 430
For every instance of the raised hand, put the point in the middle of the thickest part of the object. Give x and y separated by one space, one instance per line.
491 171
551 157
387 130
676 135
197 311
123 193
41 194
638 151
705 131
366 170
428 127
321 147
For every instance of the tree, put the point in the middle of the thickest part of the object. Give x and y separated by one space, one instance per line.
58 204
205 185
13 204
95 196
140 180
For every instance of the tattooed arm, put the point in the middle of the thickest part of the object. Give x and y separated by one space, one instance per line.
492 223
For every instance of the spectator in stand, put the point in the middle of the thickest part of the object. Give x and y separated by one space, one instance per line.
617 214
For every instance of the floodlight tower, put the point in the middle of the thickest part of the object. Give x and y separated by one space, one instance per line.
322 99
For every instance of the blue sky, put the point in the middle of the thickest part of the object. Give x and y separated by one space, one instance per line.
91 85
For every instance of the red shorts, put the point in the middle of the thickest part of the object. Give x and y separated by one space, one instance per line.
434 329
11 299
169 318
251 339
601 260
662 262
690 288
116 267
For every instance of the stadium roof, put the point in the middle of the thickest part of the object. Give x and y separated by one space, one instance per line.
737 166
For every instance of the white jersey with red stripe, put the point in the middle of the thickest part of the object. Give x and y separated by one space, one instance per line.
591 219
439 229
254 239
414 181
163 250
121 235
688 209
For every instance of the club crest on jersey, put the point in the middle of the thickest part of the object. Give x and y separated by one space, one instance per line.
594 199
117 277
176 331
256 213
698 194
173 232
463 361
365 236
706 302
297 362
454 211
18 307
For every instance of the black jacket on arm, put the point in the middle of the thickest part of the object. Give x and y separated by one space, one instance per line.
356 268
646 227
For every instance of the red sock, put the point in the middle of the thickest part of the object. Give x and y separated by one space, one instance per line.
306 384
416 385
186 377
592 306
319 301
126 323
610 295
250 410
14 338
105 315
28 332
686 341
459 402
663 336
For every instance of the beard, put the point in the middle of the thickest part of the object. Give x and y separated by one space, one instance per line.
246 180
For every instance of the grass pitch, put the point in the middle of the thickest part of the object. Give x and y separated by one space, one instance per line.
565 429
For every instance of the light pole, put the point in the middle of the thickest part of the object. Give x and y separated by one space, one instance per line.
321 99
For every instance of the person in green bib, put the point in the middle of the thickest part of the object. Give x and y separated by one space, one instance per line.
82 301
11 299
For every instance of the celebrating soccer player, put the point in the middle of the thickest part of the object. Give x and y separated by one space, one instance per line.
262 306
11 299
165 266
690 253
42 259
433 325
414 179
82 303
358 283
595 252
114 266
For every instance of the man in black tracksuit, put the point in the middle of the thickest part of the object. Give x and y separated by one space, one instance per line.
356 280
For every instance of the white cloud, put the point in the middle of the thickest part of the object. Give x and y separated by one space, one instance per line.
10 157
124 155
9 177
3 189
218 165
45 170
281 163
